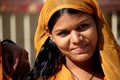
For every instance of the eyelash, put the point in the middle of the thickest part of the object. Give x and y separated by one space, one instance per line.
83 26
63 33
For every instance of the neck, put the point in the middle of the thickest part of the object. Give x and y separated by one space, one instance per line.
88 65
82 70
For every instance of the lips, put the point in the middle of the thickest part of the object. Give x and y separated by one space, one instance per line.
80 49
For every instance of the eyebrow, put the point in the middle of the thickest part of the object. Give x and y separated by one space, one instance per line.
59 30
86 19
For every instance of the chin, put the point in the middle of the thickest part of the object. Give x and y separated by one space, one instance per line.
82 58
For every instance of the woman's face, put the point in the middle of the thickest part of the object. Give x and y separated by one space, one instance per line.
76 36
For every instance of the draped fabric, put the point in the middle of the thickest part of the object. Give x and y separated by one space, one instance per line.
108 47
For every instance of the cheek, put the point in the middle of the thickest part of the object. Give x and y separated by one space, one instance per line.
93 36
63 45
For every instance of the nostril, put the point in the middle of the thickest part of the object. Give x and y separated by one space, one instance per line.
76 38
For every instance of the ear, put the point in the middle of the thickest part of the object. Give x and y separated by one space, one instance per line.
46 28
51 38
49 34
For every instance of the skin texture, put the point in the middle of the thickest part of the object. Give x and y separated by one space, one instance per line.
76 36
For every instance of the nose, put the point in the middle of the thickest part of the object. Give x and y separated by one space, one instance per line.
76 37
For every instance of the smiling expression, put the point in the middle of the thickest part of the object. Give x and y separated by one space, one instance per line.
76 36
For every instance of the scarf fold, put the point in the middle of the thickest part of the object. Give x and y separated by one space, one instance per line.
108 47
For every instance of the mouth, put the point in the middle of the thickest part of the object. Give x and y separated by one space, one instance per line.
80 49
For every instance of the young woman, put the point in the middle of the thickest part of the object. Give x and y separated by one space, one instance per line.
74 42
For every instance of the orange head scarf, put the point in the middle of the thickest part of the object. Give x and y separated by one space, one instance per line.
108 47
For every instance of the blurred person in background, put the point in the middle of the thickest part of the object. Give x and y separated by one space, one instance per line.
14 62
73 41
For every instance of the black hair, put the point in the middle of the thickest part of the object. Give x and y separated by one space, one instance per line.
49 60
58 13
47 63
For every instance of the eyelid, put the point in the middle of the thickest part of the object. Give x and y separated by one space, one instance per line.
62 33
83 26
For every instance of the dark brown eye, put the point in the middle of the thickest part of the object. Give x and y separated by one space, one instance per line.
83 27
63 33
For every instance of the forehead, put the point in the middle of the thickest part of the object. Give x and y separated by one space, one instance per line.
67 18
59 14
72 22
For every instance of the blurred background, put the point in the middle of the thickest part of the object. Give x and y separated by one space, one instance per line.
18 21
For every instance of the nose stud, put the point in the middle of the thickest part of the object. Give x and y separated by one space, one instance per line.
81 37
